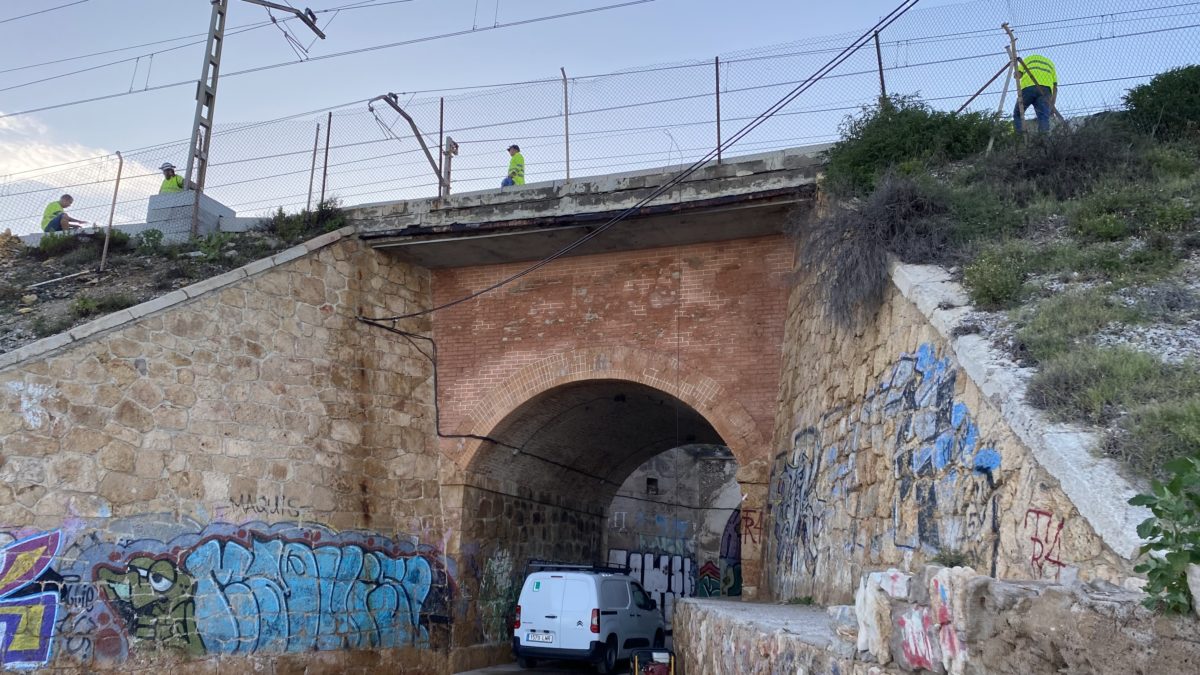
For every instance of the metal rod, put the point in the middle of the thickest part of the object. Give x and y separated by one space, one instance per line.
717 71
325 167
441 144
312 172
879 60
390 99
112 210
566 121
981 89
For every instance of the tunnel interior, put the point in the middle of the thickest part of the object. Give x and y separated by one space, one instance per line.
601 471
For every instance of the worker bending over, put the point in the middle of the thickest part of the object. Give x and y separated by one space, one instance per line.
55 218
1039 88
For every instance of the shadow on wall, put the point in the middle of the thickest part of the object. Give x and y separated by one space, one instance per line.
945 481
92 595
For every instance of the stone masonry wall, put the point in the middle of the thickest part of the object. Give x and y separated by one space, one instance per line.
249 474
888 454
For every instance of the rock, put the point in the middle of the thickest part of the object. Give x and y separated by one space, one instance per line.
29 299
25 310
194 254
1193 579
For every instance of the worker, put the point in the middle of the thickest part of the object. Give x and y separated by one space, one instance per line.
1039 88
516 167
55 218
172 182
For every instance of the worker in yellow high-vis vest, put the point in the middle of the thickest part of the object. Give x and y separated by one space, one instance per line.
1038 88
172 182
516 167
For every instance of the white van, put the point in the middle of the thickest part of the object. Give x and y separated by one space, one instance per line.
584 613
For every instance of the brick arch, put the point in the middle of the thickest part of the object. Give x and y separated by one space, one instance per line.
704 394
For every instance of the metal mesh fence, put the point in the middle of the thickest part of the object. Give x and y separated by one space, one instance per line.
659 116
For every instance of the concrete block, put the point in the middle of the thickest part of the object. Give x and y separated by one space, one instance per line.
36 349
102 324
290 254
214 283
260 265
159 303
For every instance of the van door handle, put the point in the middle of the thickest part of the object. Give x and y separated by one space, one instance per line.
551 616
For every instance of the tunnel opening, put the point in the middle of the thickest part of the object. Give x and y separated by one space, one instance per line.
607 472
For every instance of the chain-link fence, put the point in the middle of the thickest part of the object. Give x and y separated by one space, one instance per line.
572 125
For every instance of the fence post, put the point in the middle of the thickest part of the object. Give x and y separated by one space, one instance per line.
717 71
879 60
312 172
112 211
566 121
325 167
442 191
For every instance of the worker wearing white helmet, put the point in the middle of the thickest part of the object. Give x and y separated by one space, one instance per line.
172 182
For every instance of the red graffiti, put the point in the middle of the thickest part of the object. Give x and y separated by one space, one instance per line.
1047 542
751 525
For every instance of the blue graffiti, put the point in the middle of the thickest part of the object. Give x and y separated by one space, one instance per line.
287 596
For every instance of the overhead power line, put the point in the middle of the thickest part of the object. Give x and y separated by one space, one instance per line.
42 11
334 55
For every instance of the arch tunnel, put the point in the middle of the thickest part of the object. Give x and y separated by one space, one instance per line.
603 471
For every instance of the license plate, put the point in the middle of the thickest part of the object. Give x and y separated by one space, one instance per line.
540 637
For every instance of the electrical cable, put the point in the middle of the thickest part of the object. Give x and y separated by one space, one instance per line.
322 57
42 11
805 84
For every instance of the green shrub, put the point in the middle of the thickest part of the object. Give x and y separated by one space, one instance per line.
118 241
53 244
1168 106
150 241
996 278
1152 435
1172 535
44 326
1093 384
806 600
1101 227
949 557
1172 217
901 131
1056 324
297 227
1171 161
213 245
85 306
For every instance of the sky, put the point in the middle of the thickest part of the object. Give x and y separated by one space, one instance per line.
943 51
648 33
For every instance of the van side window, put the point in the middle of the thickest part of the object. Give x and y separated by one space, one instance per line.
639 597
614 594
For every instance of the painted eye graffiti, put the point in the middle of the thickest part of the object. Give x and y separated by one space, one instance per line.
160 576
160 583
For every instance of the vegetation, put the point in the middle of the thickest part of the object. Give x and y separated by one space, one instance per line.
86 305
805 600
150 242
45 326
1172 535
296 227
951 558
1167 106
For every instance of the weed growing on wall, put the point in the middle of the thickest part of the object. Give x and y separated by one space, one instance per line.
1172 535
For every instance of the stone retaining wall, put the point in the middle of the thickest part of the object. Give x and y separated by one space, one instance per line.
889 453
238 470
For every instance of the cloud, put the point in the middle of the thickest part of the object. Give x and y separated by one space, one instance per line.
26 145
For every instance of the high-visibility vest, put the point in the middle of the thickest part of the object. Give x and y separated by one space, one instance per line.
516 168
52 209
1041 68
172 184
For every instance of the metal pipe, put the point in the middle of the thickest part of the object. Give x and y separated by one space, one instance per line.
879 60
312 172
112 211
717 71
390 99
981 89
566 121
325 168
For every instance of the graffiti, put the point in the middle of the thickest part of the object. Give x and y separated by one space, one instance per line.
942 607
665 577
616 521
1047 542
708 580
28 612
497 596
731 554
667 545
31 397
100 593
914 642
751 526
278 505
797 511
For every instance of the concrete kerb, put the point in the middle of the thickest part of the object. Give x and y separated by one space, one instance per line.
170 300
1094 484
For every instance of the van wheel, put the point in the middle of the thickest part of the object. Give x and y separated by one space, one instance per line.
526 662
660 640
608 662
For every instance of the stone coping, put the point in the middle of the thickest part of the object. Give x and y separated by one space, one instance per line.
163 302
1094 484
